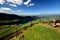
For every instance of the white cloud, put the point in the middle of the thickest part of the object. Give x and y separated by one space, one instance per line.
18 2
3 8
31 4
7 10
2 1
12 2
27 2
13 5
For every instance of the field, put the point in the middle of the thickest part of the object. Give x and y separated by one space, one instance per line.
39 32
38 29
6 30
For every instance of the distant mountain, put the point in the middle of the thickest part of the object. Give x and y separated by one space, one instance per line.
10 17
4 16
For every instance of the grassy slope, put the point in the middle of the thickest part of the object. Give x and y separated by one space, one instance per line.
35 33
40 33
5 30
5 21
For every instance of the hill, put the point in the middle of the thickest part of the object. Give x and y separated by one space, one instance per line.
5 16
8 19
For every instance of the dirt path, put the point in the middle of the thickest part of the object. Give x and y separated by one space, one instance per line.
51 27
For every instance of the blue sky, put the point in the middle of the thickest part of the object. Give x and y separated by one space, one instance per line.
30 7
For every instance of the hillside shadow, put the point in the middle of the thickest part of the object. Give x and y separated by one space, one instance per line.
20 21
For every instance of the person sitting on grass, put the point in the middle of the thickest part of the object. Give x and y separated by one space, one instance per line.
54 22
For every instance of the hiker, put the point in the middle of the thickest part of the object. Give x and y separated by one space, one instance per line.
54 22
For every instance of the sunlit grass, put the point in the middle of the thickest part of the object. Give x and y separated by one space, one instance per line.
40 33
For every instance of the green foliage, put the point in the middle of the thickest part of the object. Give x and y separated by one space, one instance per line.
40 33
6 30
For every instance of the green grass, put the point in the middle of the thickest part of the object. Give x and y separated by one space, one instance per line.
5 21
6 30
35 33
40 33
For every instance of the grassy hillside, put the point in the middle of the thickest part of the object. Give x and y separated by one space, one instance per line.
8 29
5 21
35 33
40 33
